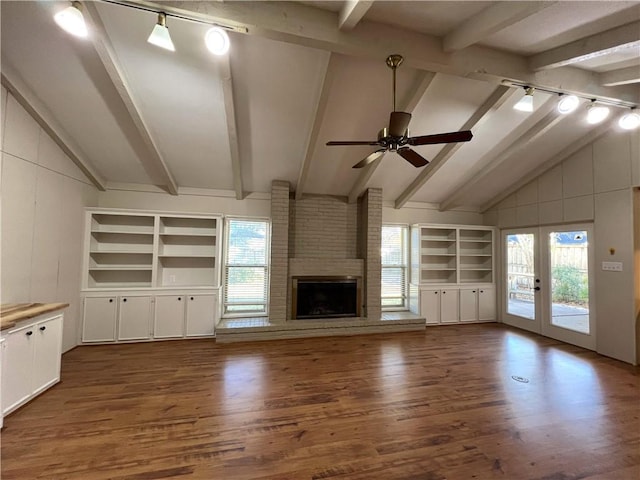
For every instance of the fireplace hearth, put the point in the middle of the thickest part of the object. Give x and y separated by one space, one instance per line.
325 297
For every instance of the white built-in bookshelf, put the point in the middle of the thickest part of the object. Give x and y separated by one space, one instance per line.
126 250
444 254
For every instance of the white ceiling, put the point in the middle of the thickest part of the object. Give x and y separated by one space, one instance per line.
142 115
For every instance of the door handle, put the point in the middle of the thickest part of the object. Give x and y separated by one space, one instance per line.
43 328
537 289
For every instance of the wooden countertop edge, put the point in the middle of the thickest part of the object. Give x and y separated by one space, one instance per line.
11 319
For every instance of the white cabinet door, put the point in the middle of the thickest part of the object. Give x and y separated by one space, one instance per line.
430 306
169 316
487 304
134 318
17 376
200 315
449 306
48 352
468 304
99 319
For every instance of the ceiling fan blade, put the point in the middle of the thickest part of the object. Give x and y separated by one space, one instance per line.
412 157
451 137
365 142
370 158
398 123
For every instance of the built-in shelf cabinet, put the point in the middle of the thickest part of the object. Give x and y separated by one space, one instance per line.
453 259
138 250
136 261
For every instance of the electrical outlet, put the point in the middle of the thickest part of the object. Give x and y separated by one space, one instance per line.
612 266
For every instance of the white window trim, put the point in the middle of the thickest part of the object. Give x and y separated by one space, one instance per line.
227 220
407 262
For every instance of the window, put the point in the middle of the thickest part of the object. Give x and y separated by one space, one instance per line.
246 267
394 267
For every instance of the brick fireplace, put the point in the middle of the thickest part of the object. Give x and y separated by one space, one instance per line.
322 236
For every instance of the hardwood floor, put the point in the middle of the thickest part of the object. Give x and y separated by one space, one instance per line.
432 405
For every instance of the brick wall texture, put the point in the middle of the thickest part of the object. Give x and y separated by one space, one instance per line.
323 227
278 293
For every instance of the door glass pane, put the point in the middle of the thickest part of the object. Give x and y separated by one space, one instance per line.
520 275
569 266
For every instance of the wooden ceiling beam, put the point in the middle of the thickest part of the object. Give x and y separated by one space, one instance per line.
544 119
16 86
621 76
409 106
312 141
491 20
491 104
560 157
352 12
232 126
597 45
313 27
154 164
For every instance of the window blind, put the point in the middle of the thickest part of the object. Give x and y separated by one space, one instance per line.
394 266
246 267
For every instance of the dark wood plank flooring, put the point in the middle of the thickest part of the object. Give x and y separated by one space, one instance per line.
430 406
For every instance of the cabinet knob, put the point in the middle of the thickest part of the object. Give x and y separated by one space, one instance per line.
179 298
473 291
444 293
481 291
124 299
29 333
191 298
435 293
43 328
111 300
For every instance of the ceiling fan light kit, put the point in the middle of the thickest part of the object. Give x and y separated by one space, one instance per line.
396 137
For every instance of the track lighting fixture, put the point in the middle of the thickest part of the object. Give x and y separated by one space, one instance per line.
525 104
71 20
629 121
568 104
217 41
596 113
160 34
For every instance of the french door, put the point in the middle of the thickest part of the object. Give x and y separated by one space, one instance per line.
548 281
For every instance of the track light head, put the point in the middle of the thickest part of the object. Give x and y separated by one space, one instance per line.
568 104
596 113
160 34
629 121
525 104
71 20
217 41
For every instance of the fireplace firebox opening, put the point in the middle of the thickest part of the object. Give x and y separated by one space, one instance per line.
325 297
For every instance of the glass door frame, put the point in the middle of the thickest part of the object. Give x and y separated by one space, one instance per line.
534 324
574 337
542 323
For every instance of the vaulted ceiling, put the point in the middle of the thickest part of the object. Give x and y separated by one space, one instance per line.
304 73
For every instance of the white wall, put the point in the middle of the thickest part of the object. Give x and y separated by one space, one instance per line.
189 201
43 198
414 212
593 185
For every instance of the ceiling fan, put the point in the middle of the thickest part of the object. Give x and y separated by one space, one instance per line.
396 138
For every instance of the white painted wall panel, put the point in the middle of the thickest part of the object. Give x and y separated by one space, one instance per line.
550 212
42 221
3 113
507 217
18 218
46 236
577 174
612 162
21 133
550 185
615 320
527 215
528 194
578 208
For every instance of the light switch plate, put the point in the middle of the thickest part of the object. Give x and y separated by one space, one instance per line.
612 266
